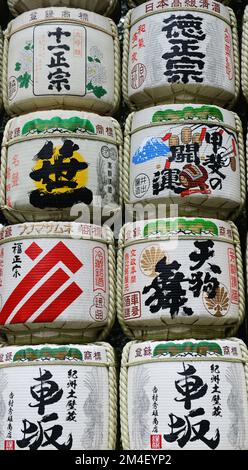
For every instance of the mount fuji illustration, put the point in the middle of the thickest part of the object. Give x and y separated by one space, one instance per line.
152 148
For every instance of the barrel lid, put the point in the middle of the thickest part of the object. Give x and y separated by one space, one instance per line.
149 8
71 230
73 15
230 349
182 113
178 227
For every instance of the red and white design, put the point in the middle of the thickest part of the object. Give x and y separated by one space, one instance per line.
156 441
132 305
9 445
99 268
53 284
234 286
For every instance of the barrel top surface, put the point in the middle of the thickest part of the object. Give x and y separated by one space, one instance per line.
182 227
145 9
29 19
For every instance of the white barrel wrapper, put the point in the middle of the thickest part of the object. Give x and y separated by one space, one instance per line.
57 397
185 395
61 58
176 3
174 52
190 155
180 278
104 7
53 160
56 282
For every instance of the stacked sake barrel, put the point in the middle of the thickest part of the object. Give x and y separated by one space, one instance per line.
183 296
60 164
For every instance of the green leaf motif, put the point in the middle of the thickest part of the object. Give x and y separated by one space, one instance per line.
90 59
99 91
24 80
29 46
97 60
89 86
18 66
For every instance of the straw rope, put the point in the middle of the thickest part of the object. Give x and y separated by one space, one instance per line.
125 61
1 69
126 158
235 40
124 397
123 385
112 290
117 69
177 331
112 431
242 165
244 55
5 76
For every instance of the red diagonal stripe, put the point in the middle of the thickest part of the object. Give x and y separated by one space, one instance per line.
57 306
58 253
40 296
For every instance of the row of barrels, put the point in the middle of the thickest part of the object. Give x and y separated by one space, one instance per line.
174 52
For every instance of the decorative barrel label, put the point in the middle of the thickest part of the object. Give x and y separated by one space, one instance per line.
191 280
48 47
99 6
185 163
192 400
61 406
57 159
52 274
181 48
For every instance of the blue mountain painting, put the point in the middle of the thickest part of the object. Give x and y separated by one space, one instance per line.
152 148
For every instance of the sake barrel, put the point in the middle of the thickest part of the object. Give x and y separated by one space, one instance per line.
57 282
61 58
78 408
56 161
184 395
180 54
189 155
104 7
180 278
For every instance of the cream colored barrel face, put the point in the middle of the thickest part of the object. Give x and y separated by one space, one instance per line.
180 278
56 282
189 155
180 54
66 58
56 164
103 7
80 395
191 395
